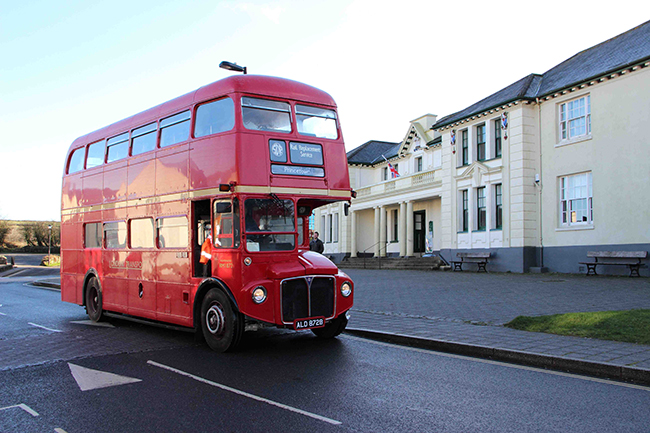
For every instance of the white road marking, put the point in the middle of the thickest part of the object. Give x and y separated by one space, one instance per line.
22 406
60 430
2 314
43 327
246 394
504 364
91 323
88 378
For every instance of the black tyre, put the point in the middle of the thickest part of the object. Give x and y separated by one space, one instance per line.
222 326
94 304
333 328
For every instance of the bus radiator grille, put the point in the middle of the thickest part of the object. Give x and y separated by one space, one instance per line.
307 297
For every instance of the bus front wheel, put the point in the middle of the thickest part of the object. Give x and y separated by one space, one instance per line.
333 328
94 300
222 326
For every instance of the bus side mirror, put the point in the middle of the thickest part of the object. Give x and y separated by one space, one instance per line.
346 208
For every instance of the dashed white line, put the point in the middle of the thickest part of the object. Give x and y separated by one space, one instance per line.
246 394
44 327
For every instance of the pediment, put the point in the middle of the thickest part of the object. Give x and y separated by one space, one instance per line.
476 171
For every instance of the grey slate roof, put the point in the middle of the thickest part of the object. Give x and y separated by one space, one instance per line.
522 89
622 51
371 152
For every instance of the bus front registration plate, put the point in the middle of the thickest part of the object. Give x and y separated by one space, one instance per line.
311 323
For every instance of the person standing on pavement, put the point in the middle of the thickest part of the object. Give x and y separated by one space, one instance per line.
316 244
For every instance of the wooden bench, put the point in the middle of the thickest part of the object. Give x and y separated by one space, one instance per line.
631 259
480 259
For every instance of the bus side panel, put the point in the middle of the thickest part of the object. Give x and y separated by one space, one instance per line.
115 183
141 286
114 283
72 190
173 287
142 177
93 185
69 259
171 170
212 162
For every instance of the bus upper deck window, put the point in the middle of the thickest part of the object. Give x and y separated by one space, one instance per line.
95 154
175 129
316 122
77 160
214 117
266 115
118 147
144 139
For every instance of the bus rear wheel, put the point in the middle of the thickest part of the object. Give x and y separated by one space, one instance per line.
94 303
333 328
222 326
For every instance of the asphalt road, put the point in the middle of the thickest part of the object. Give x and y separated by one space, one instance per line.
278 381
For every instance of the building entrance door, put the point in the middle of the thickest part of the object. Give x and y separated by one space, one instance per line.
419 231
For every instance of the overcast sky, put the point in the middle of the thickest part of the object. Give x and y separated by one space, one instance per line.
70 67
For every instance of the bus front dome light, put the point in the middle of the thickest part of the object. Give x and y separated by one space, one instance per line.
259 295
346 289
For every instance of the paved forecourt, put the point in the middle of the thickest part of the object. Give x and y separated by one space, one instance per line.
463 312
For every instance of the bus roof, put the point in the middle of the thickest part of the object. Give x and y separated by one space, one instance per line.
253 84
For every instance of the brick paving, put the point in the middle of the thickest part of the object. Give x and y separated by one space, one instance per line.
471 308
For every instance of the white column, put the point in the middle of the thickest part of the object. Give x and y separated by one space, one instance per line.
382 231
353 234
409 229
402 229
376 231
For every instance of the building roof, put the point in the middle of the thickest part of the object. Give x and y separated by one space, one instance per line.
622 51
371 152
525 88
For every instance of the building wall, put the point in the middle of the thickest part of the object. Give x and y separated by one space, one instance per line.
533 162
617 154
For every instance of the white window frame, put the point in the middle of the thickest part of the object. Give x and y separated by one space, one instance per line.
335 228
574 119
575 200
329 228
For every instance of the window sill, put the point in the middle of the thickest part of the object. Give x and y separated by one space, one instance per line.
574 228
463 232
573 140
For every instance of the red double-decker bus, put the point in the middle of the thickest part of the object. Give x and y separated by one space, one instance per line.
241 163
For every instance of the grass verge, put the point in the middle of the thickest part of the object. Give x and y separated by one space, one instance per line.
630 326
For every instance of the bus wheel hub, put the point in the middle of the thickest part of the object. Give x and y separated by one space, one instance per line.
215 319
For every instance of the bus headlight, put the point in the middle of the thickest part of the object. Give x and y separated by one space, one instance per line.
259 295
346 289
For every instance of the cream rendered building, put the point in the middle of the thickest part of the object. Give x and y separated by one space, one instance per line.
566 173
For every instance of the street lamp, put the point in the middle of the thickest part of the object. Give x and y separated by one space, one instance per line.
49 243
232 67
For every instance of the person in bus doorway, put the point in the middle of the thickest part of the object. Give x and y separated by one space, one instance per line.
206 255
316 244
